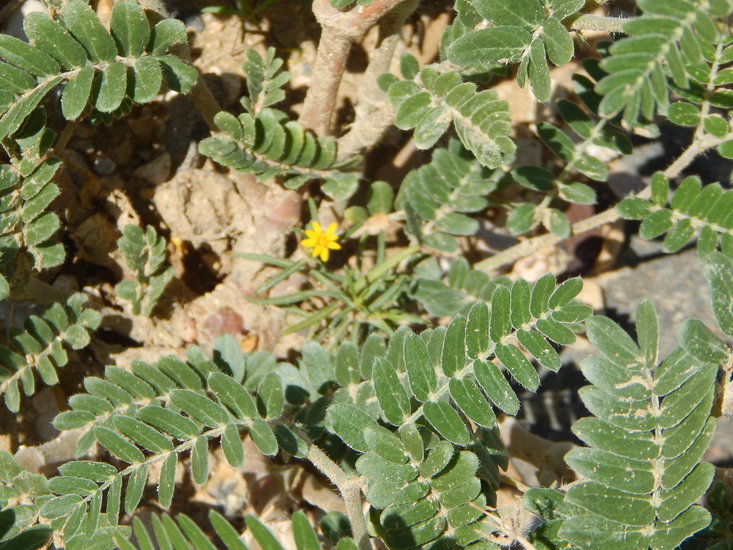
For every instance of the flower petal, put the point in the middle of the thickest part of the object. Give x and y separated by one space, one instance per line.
324 254
331 230
317 228
309 242
334 246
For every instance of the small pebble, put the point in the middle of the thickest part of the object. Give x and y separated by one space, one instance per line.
104 166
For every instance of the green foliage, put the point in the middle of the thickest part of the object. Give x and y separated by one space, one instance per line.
412 506
670 45
152 414
41 346
405 420
642 472
264 142
662 411
265 80
185 530
99 68
454 291
693 209
437 195
342 306
430 100
466 359
144 254
27 227
20 492
524 31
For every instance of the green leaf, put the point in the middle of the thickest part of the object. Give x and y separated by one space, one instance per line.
167 481
612 341
262 534
135 487
349 423
200 460
199 407
228 535
672 534
420 369
446 421
623 473
375 468
612 504
76 93
522 219
454 347
558 42
518 365
487 47
112 87
84 25
129 28
718 271
272 395
700 342
233 395
166 34
146 78
231 444
477 330
578 193
303 533
170 422
539 74
15 80
393 400
684 114
471 401
22 54
118 445
179 76
20 110
601 435
142 434
55 40
496 387
521 13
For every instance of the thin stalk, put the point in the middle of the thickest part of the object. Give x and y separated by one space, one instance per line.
527 247
350 488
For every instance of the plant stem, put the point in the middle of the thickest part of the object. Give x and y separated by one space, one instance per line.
374 113
340 29
585 22
333 51
350 488
527 247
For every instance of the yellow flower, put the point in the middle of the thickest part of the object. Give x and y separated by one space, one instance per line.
322 242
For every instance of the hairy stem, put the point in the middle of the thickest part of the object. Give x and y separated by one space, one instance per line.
374 113
340 29
585 22
527 247
350 489
320 101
